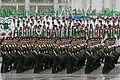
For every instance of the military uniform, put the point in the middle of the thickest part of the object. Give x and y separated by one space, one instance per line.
40 55
59 59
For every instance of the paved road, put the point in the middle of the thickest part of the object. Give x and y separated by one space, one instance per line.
79 75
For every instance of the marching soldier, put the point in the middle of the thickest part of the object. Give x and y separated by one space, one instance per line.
4 58
45 55
91 31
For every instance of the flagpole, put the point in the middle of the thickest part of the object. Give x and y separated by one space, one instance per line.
90 3
103 4
65 8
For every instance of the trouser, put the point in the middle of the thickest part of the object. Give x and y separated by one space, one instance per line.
38 66
29 62
116 54
59 63
4 67
88 65
95 62
20 64
63 62
47 61
108 64
81 60
12 63
72 64
91 59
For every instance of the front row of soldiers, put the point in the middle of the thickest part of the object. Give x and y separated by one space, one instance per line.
22 57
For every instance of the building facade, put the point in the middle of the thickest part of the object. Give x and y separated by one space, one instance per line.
56 4
96 4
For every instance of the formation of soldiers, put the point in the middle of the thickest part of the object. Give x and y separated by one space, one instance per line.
51 27
44 42
24 53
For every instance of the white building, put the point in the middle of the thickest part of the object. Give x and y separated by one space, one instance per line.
74 4
96 4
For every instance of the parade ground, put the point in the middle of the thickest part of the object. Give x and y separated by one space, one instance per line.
79 75
59 40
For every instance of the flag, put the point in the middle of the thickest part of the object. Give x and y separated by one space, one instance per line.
0 12
14 12
24 13
73 33
69 13
79 11
119 33
18 14
9 12
48 12
29 13
88 11
106 11
113 33
94 12
38 13
83 12
53 11
4 12
110 13
42 34
5 25
5 31
103 9
58 12
115 12
43 13
90 7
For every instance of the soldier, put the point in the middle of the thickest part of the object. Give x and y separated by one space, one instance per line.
53 32
37 50
69 30
100 32
119 36
47 57
21 32
80 60
91 31
16 32
44 30
73 60
29 59
65 31
21 54
4 58
6 55
11 59
48 32
56 50
59 58
111 57
96 31
89 58
93 57
108 62
86 32
96 60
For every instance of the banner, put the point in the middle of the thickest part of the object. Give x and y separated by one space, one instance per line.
4 27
